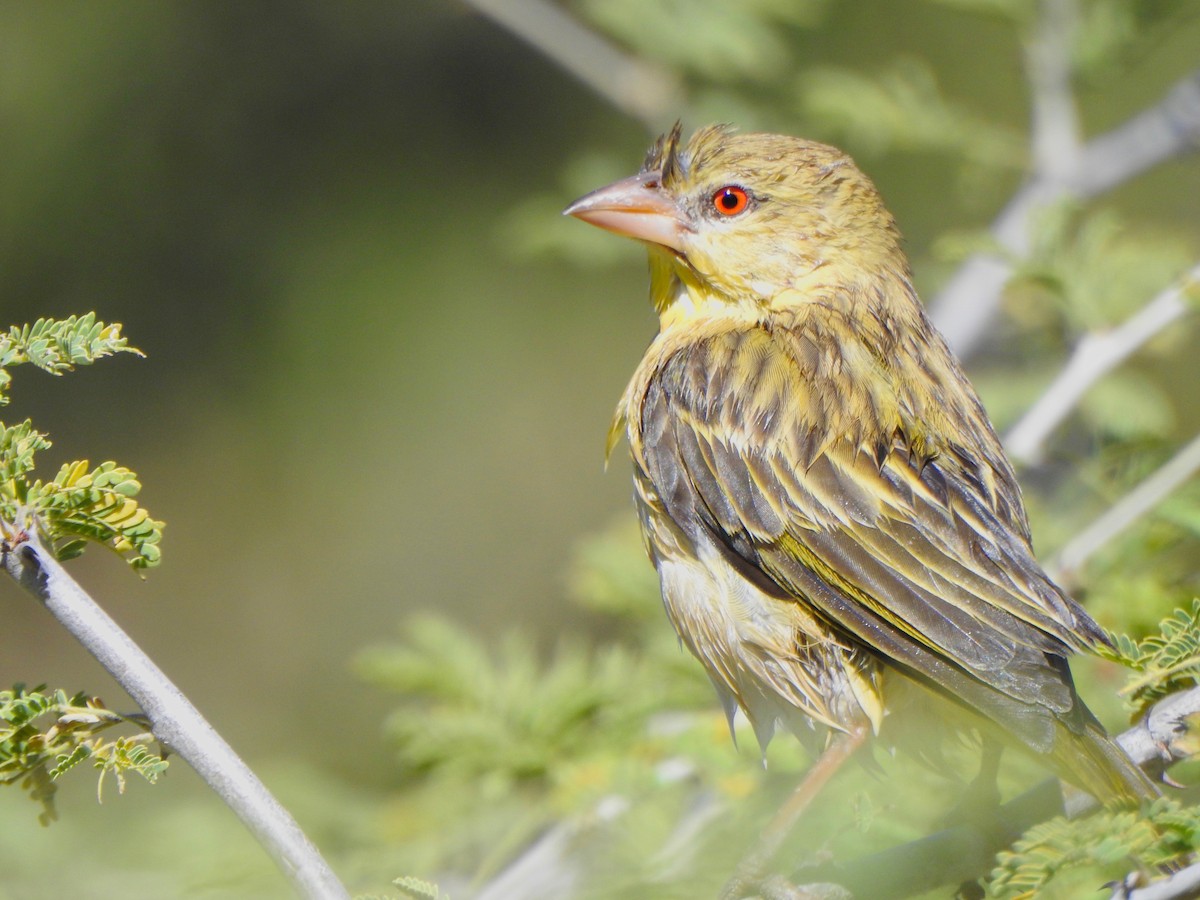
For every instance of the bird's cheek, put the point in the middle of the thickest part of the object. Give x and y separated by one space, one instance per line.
701 254
718 267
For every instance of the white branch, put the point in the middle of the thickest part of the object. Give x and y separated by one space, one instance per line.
965 306
1183 885
1162 733
1139 501
640 89
547 870
1095 355
173 719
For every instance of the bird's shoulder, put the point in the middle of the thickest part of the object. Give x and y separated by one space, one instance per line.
802 382
811 372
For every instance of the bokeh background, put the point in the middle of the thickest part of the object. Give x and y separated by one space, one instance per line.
379 369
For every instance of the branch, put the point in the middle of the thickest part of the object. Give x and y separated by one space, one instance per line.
1139 501
965 306
175 721
961 853
546 870
1096 354
640 89
1055 127
1183 885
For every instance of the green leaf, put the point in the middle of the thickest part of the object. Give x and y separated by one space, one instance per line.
1113 840
95 505
44 735
58 345
715 39
1165 663
1014 11
903 108
1127 405
418 889
78 505
18 444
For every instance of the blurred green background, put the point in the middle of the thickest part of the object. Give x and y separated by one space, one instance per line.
366 391
357 400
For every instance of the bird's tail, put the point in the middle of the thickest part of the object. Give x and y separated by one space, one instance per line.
1091 760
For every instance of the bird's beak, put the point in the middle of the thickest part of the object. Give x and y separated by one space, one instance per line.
635 207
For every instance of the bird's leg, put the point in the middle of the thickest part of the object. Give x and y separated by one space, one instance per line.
750 869
981 799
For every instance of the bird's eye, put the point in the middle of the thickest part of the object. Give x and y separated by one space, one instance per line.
730 200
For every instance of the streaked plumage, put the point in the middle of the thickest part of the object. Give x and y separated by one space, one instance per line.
829 509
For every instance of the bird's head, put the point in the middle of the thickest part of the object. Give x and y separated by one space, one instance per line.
754 220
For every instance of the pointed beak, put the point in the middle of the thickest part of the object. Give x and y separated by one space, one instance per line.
635 207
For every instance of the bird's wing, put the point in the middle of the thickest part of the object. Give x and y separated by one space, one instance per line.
914 558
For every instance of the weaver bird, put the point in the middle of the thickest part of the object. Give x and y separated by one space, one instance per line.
836 529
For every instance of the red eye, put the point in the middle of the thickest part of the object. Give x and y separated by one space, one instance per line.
730 200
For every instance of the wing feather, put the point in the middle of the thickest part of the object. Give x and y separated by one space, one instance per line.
923 560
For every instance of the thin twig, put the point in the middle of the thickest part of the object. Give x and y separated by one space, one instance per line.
1095 355
1139 501
965 306
641 89
174 720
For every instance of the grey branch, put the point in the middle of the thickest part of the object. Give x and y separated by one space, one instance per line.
1139 501
174 720
1095 355
1183 885
1165 725
965 306
640 89
1055 127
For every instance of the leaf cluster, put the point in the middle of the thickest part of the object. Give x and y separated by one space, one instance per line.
58 346
1148 840
81 503
44 735
1164 663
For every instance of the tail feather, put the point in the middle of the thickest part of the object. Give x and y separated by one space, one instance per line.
1092 761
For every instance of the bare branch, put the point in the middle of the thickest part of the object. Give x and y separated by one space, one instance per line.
1055 130
1160 736
642 90
546 871
1183 885
1139 501
1095 355
965 306
174 720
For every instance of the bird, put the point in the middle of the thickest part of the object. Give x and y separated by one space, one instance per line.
838 534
